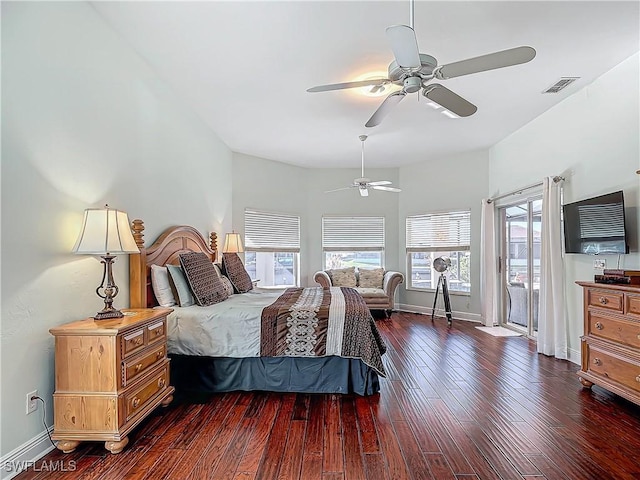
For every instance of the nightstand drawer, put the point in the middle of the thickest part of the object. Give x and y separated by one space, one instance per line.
604 299
132 342
156 332
619 330
626 372
136 400
135 366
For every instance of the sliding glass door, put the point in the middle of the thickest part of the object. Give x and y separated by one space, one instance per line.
520 264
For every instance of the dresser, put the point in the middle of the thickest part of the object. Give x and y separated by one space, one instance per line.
109 375
611 340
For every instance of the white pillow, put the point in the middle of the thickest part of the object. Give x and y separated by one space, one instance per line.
161 286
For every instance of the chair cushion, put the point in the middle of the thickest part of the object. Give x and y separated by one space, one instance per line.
371 292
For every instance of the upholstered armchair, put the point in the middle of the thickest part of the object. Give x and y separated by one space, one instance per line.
376 286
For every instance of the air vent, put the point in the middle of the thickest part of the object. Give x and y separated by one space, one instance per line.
560 84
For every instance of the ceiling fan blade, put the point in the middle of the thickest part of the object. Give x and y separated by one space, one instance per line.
449 100
338 189
364 192
405 46
491 61
380 182
386 189
340 86
385 107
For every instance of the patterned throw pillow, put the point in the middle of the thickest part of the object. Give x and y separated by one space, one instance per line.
203 279
371 277
226 283
343 277
233 268
228 286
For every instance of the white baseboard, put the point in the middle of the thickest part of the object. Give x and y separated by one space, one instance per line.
25 455
574 356
469 317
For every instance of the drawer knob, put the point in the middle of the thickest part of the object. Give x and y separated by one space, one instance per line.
603 300
138 367
599 326
137 341
135 403
638 378
597 361
159 331
161 382
159 354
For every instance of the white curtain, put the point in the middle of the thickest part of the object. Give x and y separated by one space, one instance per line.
552 318
488 265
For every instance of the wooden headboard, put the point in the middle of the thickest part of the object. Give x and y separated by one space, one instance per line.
165 250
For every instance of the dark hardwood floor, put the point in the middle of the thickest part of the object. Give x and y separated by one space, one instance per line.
457 404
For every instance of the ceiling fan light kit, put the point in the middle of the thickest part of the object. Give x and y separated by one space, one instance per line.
363 184
413 71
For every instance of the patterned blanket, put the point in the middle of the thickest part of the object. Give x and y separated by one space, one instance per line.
316 322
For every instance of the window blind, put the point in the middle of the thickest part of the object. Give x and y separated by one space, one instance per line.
439 231
271 232
340 233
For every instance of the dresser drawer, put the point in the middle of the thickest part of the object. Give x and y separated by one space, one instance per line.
605 299
619 330
625 372
136 400
156 332
632 305
132 342
134 366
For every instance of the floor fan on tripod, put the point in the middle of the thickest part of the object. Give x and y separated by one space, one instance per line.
441 265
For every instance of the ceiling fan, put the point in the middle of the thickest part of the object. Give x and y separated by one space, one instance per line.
363 184
414 70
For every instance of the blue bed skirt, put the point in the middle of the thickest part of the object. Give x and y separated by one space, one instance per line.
191 374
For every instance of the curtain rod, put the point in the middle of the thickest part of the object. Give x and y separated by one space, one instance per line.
556 179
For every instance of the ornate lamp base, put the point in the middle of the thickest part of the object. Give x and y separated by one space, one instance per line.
109 291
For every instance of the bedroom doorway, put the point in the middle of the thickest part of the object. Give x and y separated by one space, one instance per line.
520 226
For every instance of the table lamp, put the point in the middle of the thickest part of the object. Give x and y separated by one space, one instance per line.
106 232
232 243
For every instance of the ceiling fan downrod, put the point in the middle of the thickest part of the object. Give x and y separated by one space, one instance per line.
411 13
362 139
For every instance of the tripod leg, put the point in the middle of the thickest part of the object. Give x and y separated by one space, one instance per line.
435 298
447 301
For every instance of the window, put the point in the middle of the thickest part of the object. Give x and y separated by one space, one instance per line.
272 248
430 236
353 241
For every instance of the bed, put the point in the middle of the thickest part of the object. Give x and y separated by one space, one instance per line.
245 342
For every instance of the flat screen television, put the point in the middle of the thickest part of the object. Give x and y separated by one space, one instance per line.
596 226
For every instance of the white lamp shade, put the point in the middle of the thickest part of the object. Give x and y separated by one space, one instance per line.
232 243
105 230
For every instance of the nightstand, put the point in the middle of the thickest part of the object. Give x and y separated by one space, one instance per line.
110 374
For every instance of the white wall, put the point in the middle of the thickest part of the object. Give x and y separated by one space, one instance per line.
447 184
592 139
84 122
278 187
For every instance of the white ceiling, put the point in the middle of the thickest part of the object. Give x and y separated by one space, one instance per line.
244 67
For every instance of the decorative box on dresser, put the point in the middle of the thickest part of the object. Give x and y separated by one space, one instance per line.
611 340
109 375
